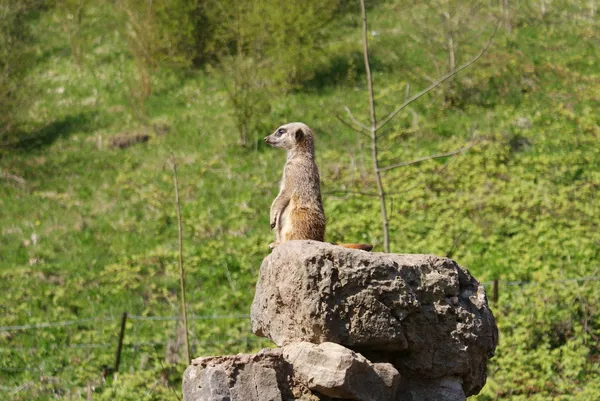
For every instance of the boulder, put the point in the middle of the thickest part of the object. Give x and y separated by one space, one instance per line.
424 314
445 389
300 371
258 377
338 372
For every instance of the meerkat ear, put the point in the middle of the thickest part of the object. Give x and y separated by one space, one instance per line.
299 134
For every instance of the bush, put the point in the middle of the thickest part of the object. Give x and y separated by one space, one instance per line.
15 59
72 14
264 49
158 32
549 345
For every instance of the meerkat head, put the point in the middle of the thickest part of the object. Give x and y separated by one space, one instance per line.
292 136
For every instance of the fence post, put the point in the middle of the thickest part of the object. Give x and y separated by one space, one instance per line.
495 292
120 344
181 272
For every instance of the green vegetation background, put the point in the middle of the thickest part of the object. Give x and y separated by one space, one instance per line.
88 230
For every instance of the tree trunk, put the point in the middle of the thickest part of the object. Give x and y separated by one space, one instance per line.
373 133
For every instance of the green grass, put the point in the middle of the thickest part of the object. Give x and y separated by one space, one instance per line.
92 232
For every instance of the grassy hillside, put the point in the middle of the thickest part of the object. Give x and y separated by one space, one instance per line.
89 231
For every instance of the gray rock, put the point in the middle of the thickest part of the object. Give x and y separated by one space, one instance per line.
338 372
446 389
424 314
258 377
301 371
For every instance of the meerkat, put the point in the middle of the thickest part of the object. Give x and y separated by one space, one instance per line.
297 211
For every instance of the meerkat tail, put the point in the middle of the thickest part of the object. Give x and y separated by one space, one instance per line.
362 247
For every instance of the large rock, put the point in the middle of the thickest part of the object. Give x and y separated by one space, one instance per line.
446 389
259 377
338 372
301 371
424 314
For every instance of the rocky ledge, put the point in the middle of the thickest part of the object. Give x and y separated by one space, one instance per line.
299 371
358 326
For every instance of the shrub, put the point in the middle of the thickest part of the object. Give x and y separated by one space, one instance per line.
15 59
158 32
264 49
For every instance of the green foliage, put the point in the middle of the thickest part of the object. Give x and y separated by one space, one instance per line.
158 32
15 59
161 31
247 87
144 387
88 231
72 14
264 50
443 28
283 37
549 346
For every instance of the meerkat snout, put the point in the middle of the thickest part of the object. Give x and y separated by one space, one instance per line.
279 138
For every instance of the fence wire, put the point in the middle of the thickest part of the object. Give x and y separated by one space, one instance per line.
238 316
136 346
54 324
114 319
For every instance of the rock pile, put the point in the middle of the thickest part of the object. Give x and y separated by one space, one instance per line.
353 325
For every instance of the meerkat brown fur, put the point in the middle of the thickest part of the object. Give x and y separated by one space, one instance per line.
297 212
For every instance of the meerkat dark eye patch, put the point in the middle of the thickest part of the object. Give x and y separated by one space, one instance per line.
299 134
280 131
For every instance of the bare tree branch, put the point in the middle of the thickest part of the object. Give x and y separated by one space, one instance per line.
430 157
375 195
423 183
180 259
346 192
363 129
354 120
438 82
373 132
349 125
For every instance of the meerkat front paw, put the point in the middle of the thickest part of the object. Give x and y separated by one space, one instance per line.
272 245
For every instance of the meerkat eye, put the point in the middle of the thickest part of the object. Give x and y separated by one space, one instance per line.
280 131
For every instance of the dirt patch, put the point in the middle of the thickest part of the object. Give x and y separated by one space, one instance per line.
161 129
125 140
